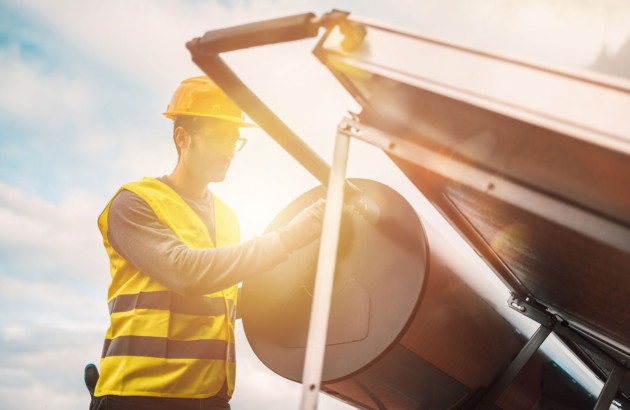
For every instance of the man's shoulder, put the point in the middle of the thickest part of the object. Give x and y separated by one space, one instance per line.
152 191
125 197
127 202
146 183
124 208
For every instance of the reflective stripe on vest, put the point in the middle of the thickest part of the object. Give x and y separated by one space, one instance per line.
149 346
166 300
161 343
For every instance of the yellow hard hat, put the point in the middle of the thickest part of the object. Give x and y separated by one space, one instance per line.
200 97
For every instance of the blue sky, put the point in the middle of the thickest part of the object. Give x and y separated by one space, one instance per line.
82 89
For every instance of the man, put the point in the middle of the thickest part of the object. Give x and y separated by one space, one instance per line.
175 262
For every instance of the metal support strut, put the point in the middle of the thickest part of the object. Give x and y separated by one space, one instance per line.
318 327
515 367
206 50
610 388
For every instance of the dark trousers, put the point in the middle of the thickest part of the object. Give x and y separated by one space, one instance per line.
112 402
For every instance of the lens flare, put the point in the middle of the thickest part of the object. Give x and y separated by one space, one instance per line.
512 241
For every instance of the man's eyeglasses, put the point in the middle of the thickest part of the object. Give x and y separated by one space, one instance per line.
237 142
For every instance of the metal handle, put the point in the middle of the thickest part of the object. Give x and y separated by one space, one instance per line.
256 34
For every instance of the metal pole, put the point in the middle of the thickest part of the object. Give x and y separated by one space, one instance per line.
320 310
514 368
228 81
610 388
249 102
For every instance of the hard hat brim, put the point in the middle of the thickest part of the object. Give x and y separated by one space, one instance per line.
239 121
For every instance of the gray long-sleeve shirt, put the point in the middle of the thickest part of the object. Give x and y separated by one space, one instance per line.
136 233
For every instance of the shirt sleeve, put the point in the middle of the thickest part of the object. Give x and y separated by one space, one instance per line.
136 233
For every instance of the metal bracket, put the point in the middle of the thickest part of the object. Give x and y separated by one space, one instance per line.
533 310
538 313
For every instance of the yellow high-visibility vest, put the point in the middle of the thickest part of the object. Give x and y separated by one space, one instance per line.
161 343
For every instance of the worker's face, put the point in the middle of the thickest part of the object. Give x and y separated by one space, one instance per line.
210 149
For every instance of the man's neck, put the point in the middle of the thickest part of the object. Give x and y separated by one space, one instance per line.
186 183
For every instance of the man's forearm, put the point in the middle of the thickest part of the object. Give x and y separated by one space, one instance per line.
137 235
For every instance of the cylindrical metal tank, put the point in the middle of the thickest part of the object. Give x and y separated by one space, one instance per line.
405 331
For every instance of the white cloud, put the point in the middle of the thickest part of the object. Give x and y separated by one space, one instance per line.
23 397
127 155
46 370
560 32
146 39
31 94
51 238
55 301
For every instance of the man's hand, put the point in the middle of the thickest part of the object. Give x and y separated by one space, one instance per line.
304 228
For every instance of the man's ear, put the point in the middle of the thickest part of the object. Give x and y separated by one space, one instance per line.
181 138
